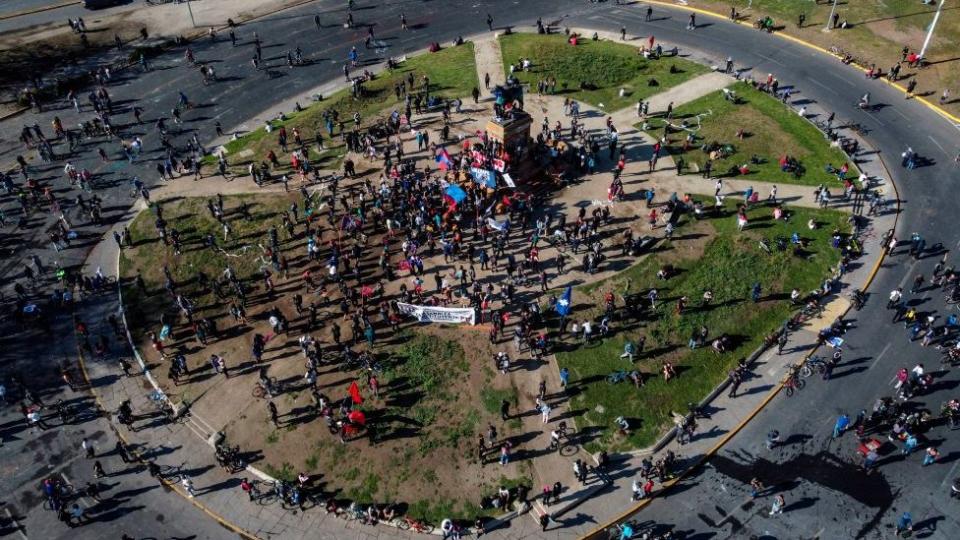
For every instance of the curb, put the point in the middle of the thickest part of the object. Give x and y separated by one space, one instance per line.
933 107
12 114
139 457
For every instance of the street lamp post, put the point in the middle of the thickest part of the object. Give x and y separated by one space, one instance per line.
833 10
926 42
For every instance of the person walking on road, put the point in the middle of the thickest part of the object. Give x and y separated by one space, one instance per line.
735 379
188 487
930 455
773 439
843 422
88 448
777 506
904 524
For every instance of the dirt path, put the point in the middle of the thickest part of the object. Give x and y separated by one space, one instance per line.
489 60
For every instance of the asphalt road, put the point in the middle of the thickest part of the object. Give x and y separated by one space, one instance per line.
58 15
822 491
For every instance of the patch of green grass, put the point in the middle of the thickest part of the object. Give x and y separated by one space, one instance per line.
428 364
285 472
191 217
606 65
452 73
771 130
511 483
462 431
730 264
351 474
273 437
366 491
433 511
492 397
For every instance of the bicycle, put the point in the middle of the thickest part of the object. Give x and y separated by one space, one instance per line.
793 382
159 401
617 377
410 524
260 392
170 474
622 530
265 493
814 364
65 493
558 241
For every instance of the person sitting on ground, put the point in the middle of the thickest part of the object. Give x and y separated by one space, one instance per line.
387 513
665 272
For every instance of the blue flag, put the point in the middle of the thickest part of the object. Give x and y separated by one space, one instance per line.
563 305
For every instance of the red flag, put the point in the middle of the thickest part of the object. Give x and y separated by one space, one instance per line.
355 393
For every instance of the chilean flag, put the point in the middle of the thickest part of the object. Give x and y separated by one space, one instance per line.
443 159
453 195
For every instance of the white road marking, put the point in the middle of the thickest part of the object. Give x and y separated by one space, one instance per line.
937 143
15 523
76 489
905 117
906 276
949 475
879 356
825 87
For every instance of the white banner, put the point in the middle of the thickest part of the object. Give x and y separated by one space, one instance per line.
437 314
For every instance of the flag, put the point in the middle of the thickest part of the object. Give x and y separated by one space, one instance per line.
357 417
454 194
498 225
443 159
355 393
563 305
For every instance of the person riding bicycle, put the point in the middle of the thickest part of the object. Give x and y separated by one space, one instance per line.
183 101
858 297
189 55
